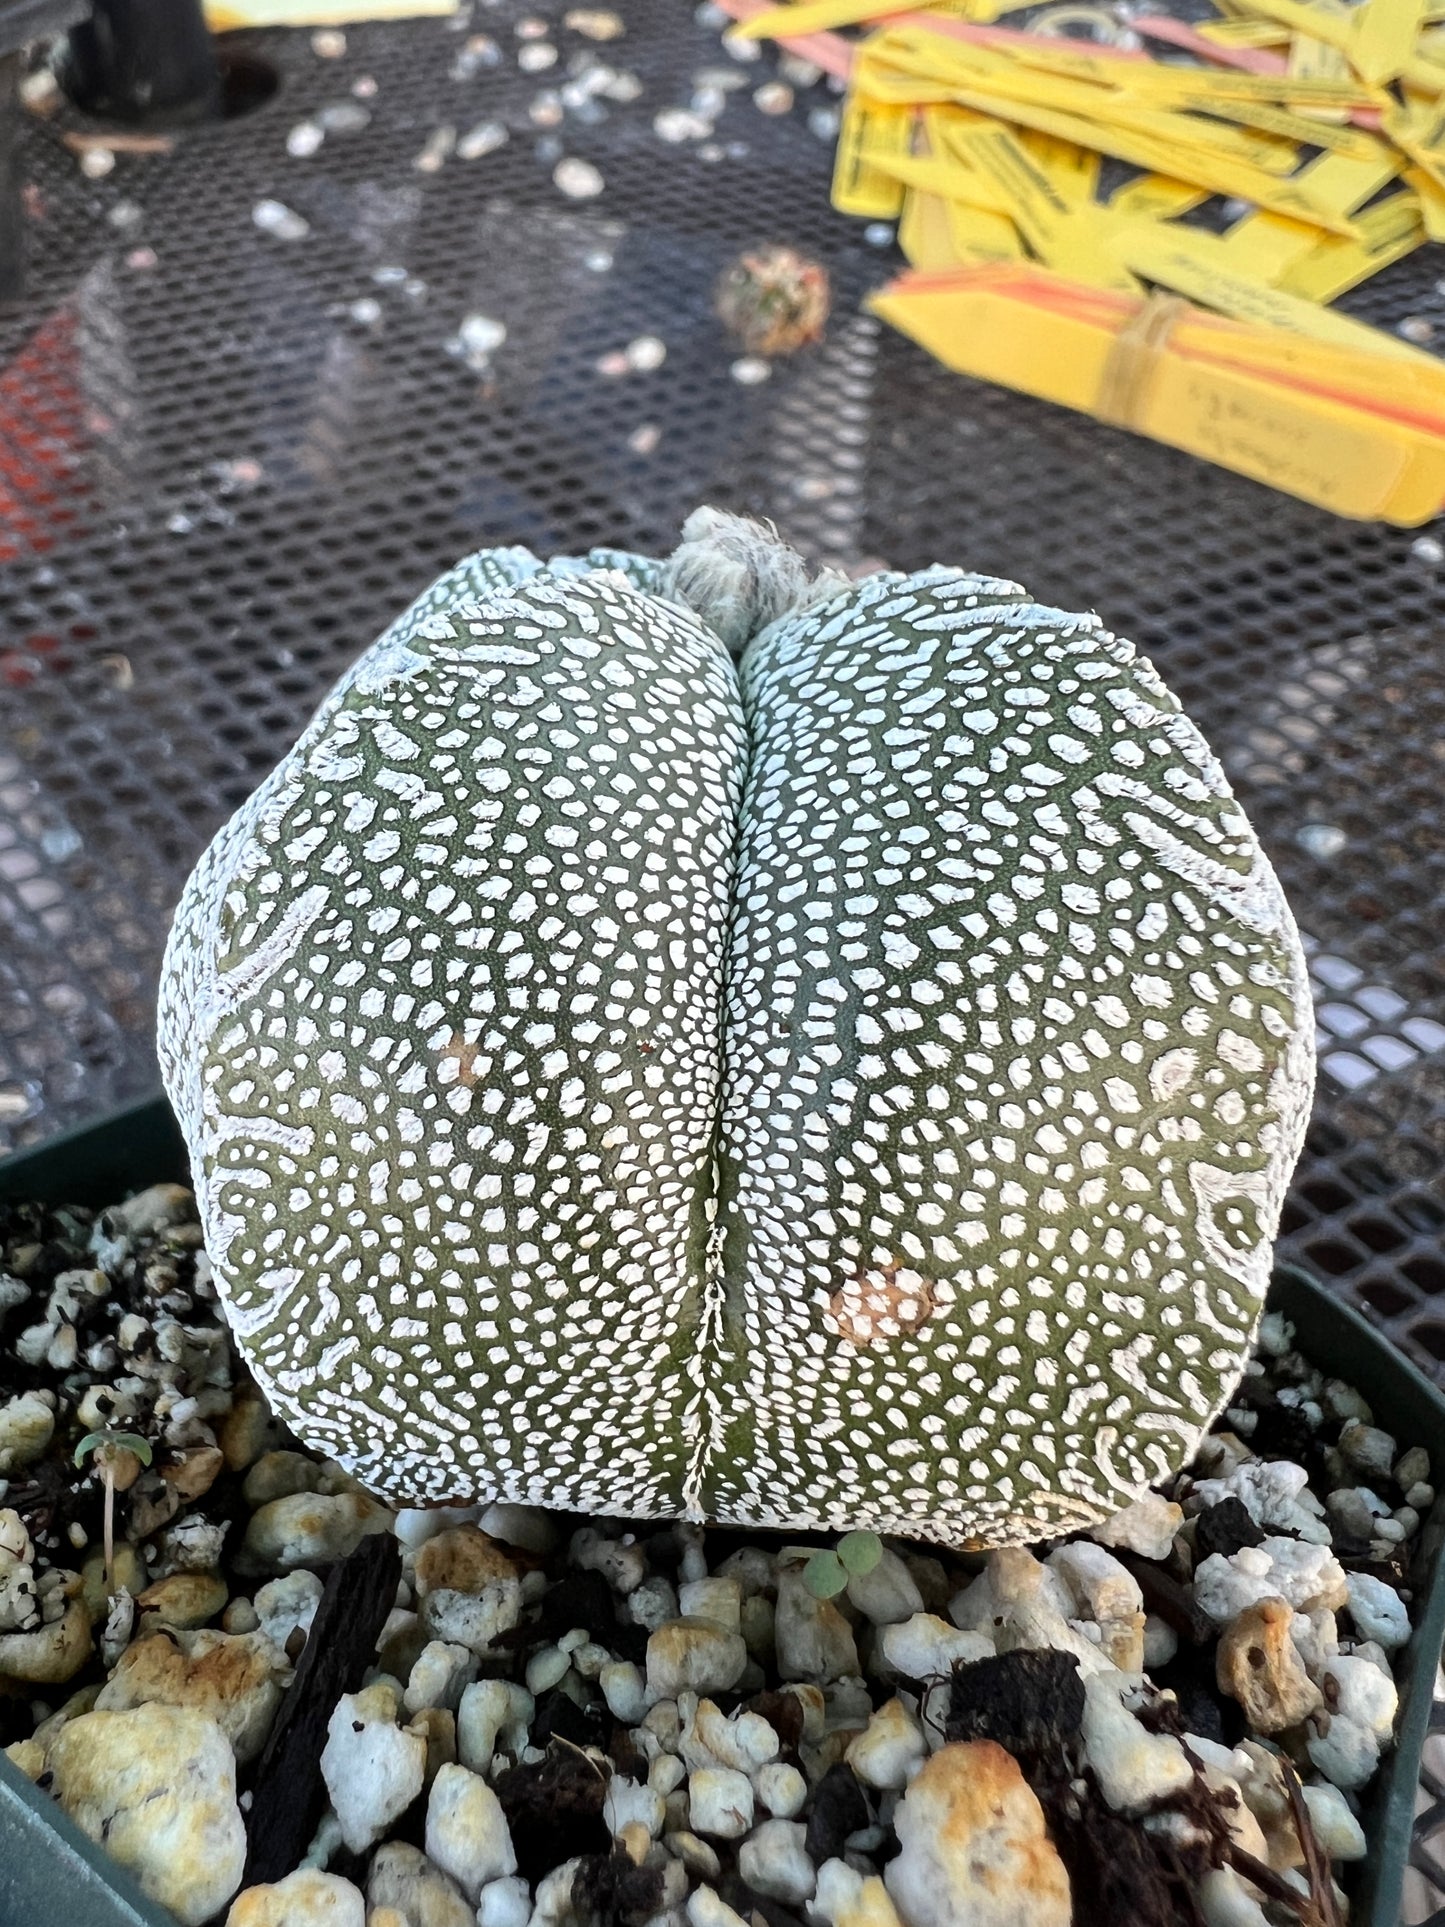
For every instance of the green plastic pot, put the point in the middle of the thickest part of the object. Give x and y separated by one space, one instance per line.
52 1876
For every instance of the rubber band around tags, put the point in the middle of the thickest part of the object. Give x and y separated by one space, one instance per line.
1129 369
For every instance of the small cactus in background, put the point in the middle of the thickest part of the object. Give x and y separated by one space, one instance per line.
774 300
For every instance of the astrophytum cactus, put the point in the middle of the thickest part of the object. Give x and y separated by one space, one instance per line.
853 1088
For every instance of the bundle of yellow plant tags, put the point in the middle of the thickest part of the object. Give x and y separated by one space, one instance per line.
1320 128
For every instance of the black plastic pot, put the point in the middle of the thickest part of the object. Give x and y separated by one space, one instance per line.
144 61
52 1876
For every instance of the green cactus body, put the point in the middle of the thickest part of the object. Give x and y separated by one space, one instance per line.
855 1090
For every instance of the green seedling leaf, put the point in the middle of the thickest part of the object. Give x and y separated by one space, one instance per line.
103 1442
860 1552
824 1575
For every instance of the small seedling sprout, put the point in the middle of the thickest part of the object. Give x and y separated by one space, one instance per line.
860 1552
106 1447
828 1572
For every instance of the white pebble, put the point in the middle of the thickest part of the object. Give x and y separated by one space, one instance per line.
693 1655
466 1831
781 1789
485 138
707 1908
774 1861
1301 1574
1161 1642
1225 1901
505 1903
925 1646
372 1769
773 97
749 370
838 1891
439 1676
304 140
643 355
287 1605
889 1749
274 217
675 124
1135 1768
1364 1694
720 1802
744 1742
553 1907
887 1594
1340 1833
626 1803
1275 1336
484 1709
546 1669
624 1690
1378 1610
1147 1527
1346 1752
578 180
439 143
479 334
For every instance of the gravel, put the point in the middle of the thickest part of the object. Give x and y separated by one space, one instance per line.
573 1721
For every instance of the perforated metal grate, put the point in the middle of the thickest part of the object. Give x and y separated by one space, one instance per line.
227 457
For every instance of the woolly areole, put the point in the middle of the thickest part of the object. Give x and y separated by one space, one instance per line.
851 1088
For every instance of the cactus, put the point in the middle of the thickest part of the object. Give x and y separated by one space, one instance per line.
852 1088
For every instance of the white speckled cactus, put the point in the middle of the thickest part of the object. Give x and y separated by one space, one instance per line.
852 1089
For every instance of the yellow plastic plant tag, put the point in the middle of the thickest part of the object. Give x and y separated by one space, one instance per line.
869 128
1311 59
1156 197
1169 83
944 176
1073 171
1267 245
225 16
1337 30
1264 246
1431 195
1294 127
1208 167
1245 33
980 236
1197 265
1382 38
1419 131
1304 444
1334 265
1064 232
1343 182
924 233
816 16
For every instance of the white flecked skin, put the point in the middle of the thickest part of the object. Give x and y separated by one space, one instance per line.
855 1091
